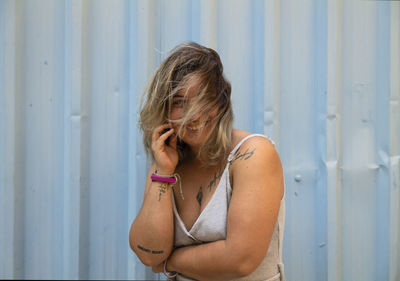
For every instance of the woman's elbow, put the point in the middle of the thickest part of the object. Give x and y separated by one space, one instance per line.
245 268
245 263
147 255
131 240
149 259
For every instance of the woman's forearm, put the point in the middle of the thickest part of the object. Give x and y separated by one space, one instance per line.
152 233
210 261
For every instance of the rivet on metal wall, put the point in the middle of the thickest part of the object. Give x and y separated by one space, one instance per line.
297 178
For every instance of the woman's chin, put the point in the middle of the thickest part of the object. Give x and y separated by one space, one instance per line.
193 137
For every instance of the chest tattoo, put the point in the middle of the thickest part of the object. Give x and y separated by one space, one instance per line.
199 195
211 184
214 180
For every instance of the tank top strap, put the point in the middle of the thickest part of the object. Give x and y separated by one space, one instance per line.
232 154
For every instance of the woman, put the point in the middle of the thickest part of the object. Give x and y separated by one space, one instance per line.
213 207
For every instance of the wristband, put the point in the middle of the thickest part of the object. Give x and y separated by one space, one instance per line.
167 179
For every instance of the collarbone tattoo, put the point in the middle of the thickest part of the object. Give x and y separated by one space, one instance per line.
214 180
211 184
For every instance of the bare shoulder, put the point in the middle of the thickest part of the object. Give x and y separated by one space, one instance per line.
257 147
255 161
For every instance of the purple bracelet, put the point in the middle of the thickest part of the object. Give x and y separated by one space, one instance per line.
170 180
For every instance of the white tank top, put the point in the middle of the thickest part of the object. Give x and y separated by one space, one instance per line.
211 226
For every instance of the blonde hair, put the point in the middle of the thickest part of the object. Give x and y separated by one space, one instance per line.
190 65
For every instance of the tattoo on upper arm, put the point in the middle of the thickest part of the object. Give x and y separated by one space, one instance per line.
242 156
199 195
149 251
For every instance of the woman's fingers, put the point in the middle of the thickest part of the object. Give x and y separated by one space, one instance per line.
164 154
157 132
166 135
173 141
160 136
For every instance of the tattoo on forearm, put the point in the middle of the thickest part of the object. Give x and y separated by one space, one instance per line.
143 249
163 188
242 156
149 251
199 195
157 252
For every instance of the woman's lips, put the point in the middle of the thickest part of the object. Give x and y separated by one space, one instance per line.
197 127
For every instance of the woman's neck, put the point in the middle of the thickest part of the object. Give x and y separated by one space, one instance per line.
193 156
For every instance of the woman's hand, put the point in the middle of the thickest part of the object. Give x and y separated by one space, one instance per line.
166 156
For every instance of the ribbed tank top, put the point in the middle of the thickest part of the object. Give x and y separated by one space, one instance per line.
211 226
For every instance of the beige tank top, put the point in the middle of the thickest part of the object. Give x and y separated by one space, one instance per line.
211 226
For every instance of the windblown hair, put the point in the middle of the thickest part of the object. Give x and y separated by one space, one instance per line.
190 66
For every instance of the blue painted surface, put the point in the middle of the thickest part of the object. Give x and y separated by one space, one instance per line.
320 77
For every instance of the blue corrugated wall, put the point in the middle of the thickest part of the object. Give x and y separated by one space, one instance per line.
321 77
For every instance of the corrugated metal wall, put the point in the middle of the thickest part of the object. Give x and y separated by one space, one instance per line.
321 77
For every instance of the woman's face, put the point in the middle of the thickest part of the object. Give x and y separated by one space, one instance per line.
196 129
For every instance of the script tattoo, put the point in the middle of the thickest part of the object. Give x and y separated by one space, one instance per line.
143 249
149 251
199 195
242 156
157 252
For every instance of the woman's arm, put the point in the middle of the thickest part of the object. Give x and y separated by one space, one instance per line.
253 211
151 235
152 232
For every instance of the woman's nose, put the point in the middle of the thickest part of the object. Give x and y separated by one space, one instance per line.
196 118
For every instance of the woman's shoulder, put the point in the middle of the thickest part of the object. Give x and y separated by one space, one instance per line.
254 158
246 140
258 148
